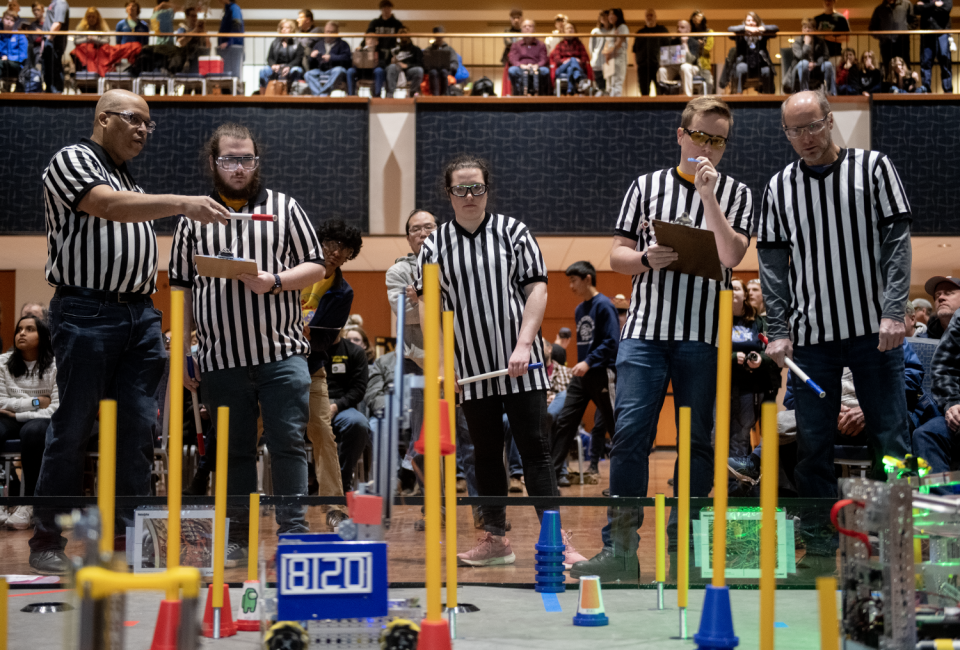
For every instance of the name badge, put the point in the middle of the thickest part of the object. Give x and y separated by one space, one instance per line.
338 368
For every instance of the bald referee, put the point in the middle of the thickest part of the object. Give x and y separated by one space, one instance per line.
102 258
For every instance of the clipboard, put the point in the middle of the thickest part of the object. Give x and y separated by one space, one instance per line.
220 267
697 249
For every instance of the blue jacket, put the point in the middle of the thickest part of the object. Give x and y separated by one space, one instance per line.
231 23
141 26
340 55
328 320
598 332
15 47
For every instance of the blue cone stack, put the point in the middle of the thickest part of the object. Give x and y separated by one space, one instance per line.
549 556
716 621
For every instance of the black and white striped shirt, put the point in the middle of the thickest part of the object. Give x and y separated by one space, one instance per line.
482 280
669 305
830 222
84 250
235 326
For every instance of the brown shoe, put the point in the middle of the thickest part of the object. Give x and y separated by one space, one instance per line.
515 485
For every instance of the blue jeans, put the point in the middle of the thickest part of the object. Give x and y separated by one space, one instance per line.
521 80
321 82
936 46
353 75
644 370
279 392
104 350
765 73
352 432
570 70
934 442
829 76
267 74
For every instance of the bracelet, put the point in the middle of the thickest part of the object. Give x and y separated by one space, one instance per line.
645 261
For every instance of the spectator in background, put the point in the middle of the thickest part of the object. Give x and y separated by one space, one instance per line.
615 52
133 25
385 23
560 345
752 58
934 15
597 43
698 25
551 41
14 7
230 48
347 375
356 335
516 17
832 21
305 25
162 21
528 63
946 296
96 53
14 48
408 59
439 76
377 72
812 56
55 19
901 79
28 397
937 440
330 56
646 51
666 74
848 64
284 58
910 320
755 296
893 15
866 79
924 310
570 59
37 24
623 306
192 46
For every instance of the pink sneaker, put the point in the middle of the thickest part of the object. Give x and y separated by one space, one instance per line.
570 555
490 551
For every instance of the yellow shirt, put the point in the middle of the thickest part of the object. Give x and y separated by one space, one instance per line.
310 298
235 204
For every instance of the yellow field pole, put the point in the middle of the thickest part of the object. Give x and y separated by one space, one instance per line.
431 421
253 554
683 516
451 460
827 590
3 613
107 474
175 437
661 547
722 444
220 514
768 529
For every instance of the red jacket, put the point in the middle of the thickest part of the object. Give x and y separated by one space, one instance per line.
570 48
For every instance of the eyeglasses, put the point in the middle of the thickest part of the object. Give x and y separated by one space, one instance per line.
477 189
427 228
230 163
336 246
134 120
813 128
701 138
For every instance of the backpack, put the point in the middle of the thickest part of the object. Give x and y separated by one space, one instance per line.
29 80
483 86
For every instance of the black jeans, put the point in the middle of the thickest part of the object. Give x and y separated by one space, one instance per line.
52 68
527 413
32 434
595 386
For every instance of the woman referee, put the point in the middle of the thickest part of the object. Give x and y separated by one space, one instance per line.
493 278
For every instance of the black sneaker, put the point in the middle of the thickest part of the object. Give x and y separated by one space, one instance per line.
236 556
50 563
594 468
609 567
563 481
744 467
334 517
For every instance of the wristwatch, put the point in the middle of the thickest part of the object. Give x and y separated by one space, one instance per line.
277 285
36 404
645 261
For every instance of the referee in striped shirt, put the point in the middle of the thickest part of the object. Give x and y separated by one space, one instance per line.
102 257
834 251
493 279
252 351
671 329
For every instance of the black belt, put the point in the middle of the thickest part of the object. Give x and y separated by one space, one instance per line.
102 296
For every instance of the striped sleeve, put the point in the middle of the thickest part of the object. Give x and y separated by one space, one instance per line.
740 211
530 265
182 268
889 197
72 173
769 233
428 255
304 244
629 223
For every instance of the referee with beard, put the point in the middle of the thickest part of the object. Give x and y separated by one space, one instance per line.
102 258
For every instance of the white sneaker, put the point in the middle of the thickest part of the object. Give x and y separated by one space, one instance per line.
4 515
21 519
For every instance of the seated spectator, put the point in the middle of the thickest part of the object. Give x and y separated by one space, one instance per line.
28 397
910 320
698 25
752 58
529 74
376 72
14 48
96 53
689 47
946 296
812 58
570 59
347 374
439 81
306 25
192 47
559 21
356 335
133 25
284 58
408 59
924 311
35 309
937 441
864 80
329 61
14 7
848 64
901 79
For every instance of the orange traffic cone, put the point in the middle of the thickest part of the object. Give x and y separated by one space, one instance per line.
227 626
434 635
168 622
446 443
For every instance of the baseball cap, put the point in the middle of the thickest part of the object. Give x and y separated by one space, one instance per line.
932 283
564 333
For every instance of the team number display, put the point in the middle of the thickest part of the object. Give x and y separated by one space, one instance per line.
326 573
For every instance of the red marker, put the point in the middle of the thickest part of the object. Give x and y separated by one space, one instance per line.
253 217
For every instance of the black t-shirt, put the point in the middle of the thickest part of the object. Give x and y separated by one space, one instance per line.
865 80
381 25
835 22
559 354
647 50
